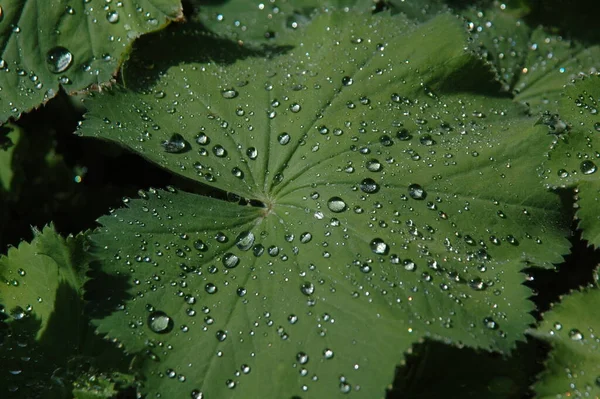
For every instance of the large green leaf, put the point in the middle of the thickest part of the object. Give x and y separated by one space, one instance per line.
73 44
575 156
573 367
396 205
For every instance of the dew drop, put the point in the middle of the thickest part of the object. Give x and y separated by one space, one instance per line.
328 353
379 247
488 322
59 59
245 240
160 323
210 288
230 260
219 151
252 153
336 204
588 167
221 335
374 165
112 17
575 335
283 138
229 93
369 186
307 288
302 357
176 144
347 81
597 126
295 107
416 192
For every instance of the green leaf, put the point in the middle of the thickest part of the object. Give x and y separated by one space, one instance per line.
575 156
573 366
260 22
402 205
41 297
533 63
48 44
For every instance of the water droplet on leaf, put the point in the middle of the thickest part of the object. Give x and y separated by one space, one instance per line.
59 59
160 323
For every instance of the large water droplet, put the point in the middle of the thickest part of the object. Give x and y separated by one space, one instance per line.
374 165
369 186
59 59
575 335
230 260
229 93
379 247
160 323
416 192
176 144
302 357
588 167
245 240
347 81
283 138
336 204
112 17
307 288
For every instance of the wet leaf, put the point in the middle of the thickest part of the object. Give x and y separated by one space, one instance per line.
395 205
49 44
573 366
41 319
532 62
574 158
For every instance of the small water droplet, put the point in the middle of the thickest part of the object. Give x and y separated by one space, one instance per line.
59 59
229 93
160 323
575 335
295 107
379 247
374 165
597 126
488 322
416 192
283 138
221 335
336 204
347 81
307 288
302 357
210 288
112 17
328 353
252 153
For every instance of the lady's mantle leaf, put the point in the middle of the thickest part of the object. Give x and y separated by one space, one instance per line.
396 206
573 369
575 156
44 44
41 301
533 63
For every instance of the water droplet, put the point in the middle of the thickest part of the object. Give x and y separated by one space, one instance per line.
347 81
305 237
328 353
229 93
588 167
575 335
369 186
374 165
221 335
283 138
597 126
230 260
307 288
295 107
252 153
416 192
210 288
219 151
379 247
488 322
176 144
245 240
112 17
160 323
302 357
59 59
336 204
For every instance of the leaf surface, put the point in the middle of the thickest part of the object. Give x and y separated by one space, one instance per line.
396 205
575 156
532 62
573 367
48 44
